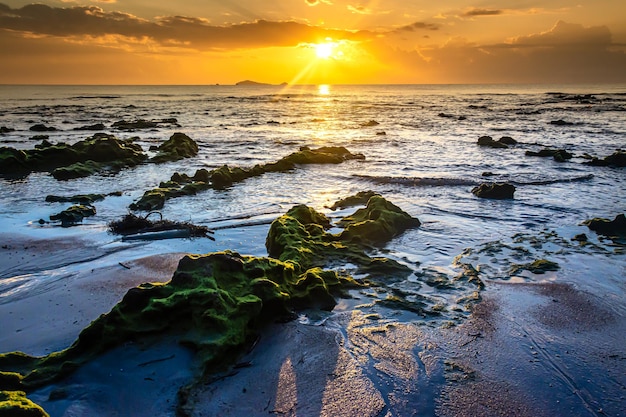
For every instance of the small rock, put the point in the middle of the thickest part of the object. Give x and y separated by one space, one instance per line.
499 191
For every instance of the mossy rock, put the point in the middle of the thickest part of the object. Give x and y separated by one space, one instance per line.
74 214
540 266
15 404
82 158
377 223
178 146
85 199
360 198
605 227
77 170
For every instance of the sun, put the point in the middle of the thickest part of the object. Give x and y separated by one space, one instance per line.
324 50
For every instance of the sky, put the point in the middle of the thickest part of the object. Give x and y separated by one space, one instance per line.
312 41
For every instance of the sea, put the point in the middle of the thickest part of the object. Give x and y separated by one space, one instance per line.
421 153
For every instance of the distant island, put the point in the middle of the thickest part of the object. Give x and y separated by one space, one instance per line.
249 83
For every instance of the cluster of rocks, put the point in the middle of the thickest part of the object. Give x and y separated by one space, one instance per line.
98 153
503 142
225 176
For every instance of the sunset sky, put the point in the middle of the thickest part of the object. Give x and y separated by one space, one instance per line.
312 41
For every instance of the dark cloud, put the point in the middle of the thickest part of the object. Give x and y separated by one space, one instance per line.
567 53
482 12
419 26
196 33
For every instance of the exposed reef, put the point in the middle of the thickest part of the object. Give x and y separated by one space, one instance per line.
215 303
101 152
81 198
494 190
89 155
225 176
360 198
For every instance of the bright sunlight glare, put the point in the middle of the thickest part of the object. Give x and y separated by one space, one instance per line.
324 50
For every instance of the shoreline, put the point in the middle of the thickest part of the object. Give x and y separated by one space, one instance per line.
525 350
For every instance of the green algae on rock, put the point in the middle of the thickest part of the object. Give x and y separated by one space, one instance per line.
377 223
225 176
85 199
605 227
74 214
360 198
94 153
15 404
178 146
540 266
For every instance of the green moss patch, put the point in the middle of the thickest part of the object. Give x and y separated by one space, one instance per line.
74 214
178 146
15 404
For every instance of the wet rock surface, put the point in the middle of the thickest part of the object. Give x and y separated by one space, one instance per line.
498 191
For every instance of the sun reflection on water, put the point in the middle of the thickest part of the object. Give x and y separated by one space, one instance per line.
323 89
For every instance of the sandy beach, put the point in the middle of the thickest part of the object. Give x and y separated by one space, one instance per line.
526 350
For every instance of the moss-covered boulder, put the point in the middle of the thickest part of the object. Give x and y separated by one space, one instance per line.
74 214
498 191
377 223
77 170
178 146
606 227
15 404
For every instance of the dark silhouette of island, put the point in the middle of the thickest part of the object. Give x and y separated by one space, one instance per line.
251 83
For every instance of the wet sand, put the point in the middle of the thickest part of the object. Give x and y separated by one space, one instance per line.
526 350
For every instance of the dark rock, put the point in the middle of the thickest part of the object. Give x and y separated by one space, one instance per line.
97 126
488 174
4 129
83 199
561 123
605 227
507 140
617 159
559 155
494 190
540 266
489 142
381 133
370 123
580 238
137 124
39 137
42 128
73 215
77 170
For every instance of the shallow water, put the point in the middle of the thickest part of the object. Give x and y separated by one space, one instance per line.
427 161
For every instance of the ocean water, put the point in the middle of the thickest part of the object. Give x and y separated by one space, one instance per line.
422 155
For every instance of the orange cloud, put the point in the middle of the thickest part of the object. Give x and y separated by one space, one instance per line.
567 53
196 33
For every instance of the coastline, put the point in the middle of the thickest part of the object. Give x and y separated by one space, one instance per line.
525 350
